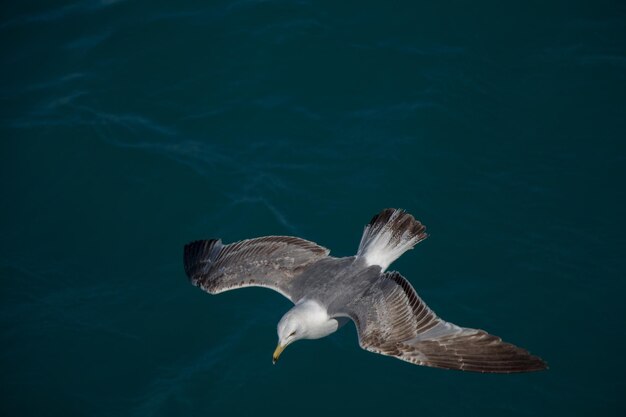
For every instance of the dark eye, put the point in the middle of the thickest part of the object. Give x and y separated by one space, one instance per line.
292 333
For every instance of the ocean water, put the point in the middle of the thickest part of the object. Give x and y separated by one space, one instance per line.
129 128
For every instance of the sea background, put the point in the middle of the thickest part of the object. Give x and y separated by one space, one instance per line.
129 128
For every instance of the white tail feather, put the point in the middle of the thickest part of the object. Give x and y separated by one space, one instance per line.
388 235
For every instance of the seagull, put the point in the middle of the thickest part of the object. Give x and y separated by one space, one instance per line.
327 292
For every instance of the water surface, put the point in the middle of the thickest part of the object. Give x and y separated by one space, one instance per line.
131 127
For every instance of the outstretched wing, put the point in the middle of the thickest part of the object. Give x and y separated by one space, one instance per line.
271 261
392 320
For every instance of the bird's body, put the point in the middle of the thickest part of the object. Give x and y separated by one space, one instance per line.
336 280
327 292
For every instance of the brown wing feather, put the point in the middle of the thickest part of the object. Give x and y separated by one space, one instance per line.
393 320
270 261
474 350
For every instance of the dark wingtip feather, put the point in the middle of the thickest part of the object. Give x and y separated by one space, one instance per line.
198 255
481 352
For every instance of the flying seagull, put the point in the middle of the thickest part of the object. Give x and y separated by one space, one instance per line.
391 319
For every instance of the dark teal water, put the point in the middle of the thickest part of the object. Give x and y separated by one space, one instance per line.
132 127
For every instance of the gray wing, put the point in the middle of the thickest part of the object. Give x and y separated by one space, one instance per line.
271 261
392 320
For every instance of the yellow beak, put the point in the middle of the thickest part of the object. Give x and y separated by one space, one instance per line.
277 352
